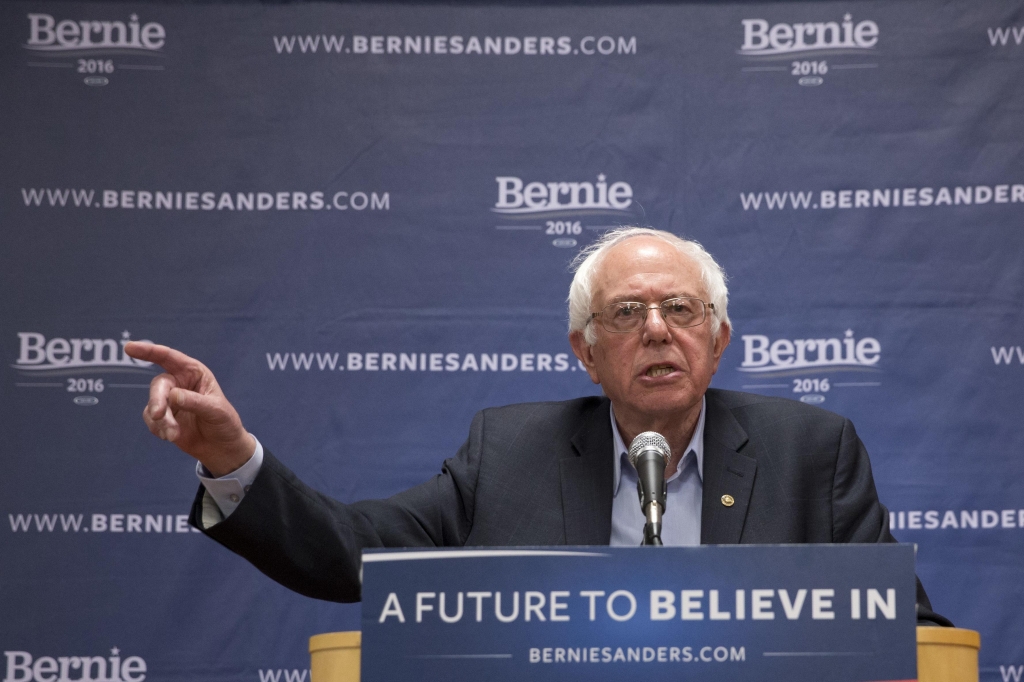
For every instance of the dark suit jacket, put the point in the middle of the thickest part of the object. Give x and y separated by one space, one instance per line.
541 474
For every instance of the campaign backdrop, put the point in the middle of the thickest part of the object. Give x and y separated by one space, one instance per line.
361 217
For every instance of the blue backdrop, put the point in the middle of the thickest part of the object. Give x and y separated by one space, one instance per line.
360 217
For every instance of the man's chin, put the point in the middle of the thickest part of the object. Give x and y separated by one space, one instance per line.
661 406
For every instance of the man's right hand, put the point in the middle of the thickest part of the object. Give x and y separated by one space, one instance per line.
187 407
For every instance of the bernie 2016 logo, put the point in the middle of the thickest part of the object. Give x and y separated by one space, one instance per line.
79 361
769 360
560 209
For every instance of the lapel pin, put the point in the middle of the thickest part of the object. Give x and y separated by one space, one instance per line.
728 501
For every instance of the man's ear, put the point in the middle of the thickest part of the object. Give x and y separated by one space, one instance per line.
720 342
585 353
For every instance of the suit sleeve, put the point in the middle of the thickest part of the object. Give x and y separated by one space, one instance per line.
857 514
313 544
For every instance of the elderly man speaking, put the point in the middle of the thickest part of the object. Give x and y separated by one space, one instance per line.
648 319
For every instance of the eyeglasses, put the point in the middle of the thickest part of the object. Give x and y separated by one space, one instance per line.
629 316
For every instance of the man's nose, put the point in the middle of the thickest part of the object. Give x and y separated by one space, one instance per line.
655 329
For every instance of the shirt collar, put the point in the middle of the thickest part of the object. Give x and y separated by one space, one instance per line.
696 446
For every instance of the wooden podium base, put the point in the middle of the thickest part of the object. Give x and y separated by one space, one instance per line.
334 656
943 655
947 655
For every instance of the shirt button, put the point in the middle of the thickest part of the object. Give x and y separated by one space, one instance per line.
233 497
247 488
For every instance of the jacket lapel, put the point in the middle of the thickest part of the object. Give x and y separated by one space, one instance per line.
587 479
726 472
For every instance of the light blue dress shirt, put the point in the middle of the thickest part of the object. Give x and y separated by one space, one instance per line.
227 491
680 525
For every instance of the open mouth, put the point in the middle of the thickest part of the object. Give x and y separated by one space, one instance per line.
660 370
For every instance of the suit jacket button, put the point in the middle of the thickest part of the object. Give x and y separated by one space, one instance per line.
728 501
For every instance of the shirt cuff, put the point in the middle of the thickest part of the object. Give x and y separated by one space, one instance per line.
227 491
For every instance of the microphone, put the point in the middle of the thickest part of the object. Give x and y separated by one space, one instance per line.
649 454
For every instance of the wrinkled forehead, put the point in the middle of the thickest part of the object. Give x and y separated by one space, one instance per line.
645 269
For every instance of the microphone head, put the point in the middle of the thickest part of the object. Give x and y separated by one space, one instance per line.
649 440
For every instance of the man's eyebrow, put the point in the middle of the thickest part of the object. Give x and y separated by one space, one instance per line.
633 298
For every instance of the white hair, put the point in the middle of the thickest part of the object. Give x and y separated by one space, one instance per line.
587 262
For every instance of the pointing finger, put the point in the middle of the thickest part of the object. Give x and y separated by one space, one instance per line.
173 361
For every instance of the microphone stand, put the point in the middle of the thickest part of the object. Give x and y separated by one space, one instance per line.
650 467
652 529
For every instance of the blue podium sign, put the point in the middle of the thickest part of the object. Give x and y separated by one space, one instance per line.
739 612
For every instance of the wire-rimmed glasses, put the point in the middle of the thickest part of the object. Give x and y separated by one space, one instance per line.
629 316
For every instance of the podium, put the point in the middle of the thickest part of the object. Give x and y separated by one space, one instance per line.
735 612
